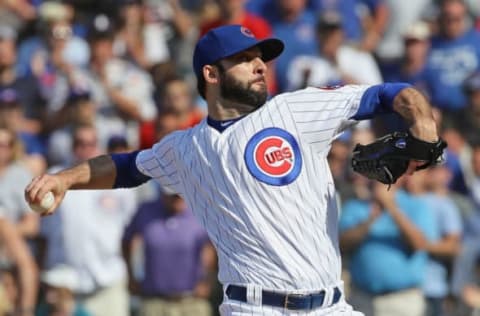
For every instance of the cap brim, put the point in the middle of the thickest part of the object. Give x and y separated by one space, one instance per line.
271 48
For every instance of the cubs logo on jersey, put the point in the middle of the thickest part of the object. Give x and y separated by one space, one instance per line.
272 156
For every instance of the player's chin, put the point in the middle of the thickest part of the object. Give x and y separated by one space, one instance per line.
259 86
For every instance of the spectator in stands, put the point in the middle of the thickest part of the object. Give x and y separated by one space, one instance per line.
338 161
387 238
53 43
431 186
177 98
336 63
176 280
138 39
178 258
19 275
295 24
363 21
403 14
59 285
13 115
86 234
454 55
17 14
174 22
13 173
465 279
411 67
80 109
467 120
122 92
234 12
27 88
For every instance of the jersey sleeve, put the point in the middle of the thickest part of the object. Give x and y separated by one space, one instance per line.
158 163
321 115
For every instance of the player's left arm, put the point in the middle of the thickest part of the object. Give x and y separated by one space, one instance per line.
407 101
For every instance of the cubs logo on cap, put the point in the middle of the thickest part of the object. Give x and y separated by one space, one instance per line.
246 31
273 156
228 40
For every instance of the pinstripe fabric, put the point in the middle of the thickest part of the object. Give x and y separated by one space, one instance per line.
279 237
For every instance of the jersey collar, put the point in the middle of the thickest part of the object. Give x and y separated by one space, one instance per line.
220 126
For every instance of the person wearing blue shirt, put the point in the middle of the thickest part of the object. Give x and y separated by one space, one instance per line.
454 55
386 238
447 243
352 19
295 24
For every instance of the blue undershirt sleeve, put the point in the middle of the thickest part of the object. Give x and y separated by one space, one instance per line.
128 175
378 99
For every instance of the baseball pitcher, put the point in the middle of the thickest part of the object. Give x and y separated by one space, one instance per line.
255 174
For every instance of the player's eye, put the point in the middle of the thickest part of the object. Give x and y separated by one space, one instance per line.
244 58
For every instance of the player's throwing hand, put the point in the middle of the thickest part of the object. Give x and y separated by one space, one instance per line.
40 186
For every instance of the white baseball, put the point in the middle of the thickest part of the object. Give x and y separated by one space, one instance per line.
45 204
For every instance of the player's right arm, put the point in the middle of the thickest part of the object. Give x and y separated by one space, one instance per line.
101 172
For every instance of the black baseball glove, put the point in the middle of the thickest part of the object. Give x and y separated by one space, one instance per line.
387 158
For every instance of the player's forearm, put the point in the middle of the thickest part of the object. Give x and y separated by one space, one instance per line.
95 173
412 106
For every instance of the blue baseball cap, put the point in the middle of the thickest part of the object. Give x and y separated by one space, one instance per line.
228 40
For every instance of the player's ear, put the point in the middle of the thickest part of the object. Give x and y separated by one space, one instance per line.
210 73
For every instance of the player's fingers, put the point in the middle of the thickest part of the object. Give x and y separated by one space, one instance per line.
32 183
40 187
47 184
32 189
413 165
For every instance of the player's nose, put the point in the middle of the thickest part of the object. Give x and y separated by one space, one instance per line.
260 66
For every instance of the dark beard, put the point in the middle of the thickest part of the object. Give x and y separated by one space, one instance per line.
233 90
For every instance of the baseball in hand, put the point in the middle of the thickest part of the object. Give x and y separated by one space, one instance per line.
45 204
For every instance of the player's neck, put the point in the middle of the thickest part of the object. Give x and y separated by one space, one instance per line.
228 110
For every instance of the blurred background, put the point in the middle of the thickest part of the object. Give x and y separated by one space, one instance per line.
80 77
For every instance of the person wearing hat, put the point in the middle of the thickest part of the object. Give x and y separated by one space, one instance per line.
336 63
467 121
20 95
255 174
454 54
410 68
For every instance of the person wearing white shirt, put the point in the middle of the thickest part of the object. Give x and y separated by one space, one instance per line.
336 64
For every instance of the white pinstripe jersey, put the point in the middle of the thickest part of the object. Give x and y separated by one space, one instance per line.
263 189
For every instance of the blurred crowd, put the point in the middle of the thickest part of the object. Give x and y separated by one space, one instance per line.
80 78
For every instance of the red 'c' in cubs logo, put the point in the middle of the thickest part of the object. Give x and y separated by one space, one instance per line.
274 156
